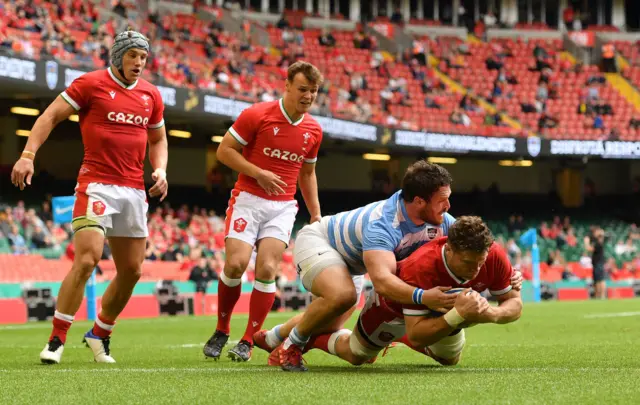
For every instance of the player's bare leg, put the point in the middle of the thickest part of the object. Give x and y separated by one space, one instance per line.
229 288
270 339
268 259
335 285
89 243
128 255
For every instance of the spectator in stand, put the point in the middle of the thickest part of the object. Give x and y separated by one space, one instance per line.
326 38
283 23
598 122
514 252
17 241
120 9
45 213
202 274
609 58
39 239
571 239
397 17
459 117
490 20
568 17
555 258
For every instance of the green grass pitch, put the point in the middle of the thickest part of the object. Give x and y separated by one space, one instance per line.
558 352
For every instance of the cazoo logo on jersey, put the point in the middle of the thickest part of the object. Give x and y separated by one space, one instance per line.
283 154
127 118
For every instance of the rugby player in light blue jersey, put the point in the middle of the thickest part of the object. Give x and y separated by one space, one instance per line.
333 255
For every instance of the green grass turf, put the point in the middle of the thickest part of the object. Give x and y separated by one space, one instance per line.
559 352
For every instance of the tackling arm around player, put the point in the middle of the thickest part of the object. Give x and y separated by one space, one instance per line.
333 255
468 257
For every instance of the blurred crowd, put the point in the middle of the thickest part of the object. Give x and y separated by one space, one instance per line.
191 238
570 247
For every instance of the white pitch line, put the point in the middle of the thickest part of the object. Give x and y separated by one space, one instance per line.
612 315
142 370
124 346
191 345
207 318
262 369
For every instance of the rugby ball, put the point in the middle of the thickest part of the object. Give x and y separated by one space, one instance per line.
436 314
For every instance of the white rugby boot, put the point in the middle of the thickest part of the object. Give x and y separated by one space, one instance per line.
99 346
52 352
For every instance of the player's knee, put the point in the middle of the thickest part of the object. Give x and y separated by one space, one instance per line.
267 269
234 267
131 272
448 350
358 361
359 354
449 362
85 262
341 300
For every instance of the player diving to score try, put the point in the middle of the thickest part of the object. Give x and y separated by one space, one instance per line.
467 258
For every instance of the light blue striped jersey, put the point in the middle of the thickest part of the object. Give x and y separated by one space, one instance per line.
382 225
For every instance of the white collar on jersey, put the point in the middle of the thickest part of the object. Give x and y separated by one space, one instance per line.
453 276
124 86
284 112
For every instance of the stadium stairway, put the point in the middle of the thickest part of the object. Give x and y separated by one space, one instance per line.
622 62
459 88
472 39
564 55
626 89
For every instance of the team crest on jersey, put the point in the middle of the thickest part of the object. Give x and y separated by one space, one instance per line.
306 137
145 98
275 131
385 336
432 233
52 74
239 225
98 207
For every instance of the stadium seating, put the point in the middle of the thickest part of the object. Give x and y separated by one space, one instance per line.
190 235
190 52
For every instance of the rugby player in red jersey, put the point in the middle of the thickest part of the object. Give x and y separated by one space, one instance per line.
119 114
274 146
467 258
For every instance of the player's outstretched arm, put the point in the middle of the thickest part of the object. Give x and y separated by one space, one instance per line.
509 308
159 156
57 112
308 183
381 266
230 153
423 331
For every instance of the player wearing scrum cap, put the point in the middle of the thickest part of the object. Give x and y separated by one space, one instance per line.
119 114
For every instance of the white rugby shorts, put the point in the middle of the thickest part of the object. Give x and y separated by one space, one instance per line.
250 218
313 253
120 211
